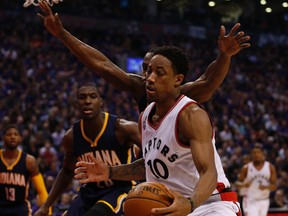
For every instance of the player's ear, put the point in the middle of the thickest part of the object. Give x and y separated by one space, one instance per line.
179 79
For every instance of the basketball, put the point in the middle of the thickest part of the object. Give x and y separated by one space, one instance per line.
146 196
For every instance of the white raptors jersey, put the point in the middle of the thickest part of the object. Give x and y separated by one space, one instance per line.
257 178
167 160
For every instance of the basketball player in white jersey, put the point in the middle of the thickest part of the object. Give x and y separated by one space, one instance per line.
178 146
260 179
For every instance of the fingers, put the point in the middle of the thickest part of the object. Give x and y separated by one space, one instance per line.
45 7
80 176
82 164
92 158
243 39
234 29
222 31
161 211
41 16
245 45
239 35
80 170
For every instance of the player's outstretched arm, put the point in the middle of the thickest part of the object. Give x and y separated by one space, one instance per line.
97 171
229 45
91 57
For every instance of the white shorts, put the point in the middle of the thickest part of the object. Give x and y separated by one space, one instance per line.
255 207
220 208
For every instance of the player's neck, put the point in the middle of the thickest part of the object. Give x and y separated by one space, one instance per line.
258 164
10 153
164 106
93 125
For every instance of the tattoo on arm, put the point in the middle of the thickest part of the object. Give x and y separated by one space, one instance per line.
133 171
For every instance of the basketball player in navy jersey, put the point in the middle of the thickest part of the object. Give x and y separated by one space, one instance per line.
16 170
111 140
178 146
201 90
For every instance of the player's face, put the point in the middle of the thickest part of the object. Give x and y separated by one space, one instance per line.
145 64
89 102
12 138
161 80
257 155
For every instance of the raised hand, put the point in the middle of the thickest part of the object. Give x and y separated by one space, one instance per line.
93 171
234 42
51 21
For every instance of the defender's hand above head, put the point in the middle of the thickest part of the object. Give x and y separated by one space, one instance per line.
234 42
51 21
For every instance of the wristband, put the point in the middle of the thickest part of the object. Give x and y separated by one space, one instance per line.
110 172
191 203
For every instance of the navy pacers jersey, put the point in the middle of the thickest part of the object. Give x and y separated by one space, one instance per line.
106 148
14 181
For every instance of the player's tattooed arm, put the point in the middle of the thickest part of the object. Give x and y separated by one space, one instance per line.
133 171
95 170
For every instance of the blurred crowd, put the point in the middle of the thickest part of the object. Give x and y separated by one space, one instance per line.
39 77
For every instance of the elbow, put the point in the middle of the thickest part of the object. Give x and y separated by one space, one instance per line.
205 97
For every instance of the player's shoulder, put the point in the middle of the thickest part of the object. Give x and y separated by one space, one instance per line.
245 166
30 158
192 110
123 123
68 136
31 163
271 165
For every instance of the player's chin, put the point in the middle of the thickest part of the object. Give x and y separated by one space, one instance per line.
151 96
87 116
12 146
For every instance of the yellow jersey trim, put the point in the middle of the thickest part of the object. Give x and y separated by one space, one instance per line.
95 142
10 167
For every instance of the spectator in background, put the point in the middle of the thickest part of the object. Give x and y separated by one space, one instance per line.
47 154
64 203
279 200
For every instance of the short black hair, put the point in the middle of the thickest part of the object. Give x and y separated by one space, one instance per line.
9 126
179 59
258 146
152 50
86 83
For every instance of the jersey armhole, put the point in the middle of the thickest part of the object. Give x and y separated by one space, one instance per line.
177 122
